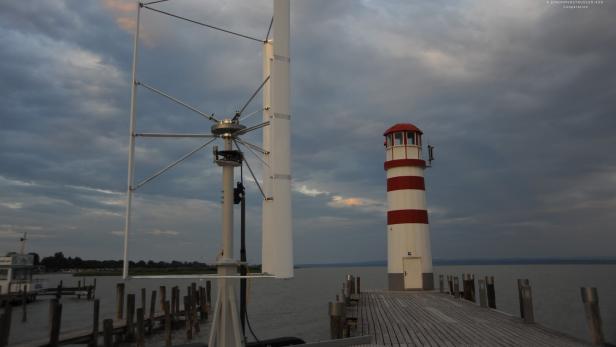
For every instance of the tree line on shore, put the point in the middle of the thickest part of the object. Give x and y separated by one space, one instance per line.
59 262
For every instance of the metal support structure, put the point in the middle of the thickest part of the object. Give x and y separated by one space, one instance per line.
131 144
225 329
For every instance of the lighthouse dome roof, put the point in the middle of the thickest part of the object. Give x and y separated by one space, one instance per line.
402 127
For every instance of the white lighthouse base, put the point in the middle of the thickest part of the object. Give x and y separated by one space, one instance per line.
396 282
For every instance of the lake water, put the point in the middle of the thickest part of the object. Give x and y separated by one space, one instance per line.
298 307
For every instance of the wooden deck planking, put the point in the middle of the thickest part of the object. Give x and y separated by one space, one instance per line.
433 319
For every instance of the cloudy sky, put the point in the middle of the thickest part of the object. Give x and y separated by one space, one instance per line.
519 98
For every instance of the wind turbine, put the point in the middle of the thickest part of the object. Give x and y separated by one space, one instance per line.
277 242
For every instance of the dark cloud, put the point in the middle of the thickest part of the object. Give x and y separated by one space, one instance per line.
517 97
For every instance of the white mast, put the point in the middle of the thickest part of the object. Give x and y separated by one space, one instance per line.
277 250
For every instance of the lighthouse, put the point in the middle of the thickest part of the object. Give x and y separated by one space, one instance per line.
409 259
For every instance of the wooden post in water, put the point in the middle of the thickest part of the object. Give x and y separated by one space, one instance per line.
56 318
473 295
456 287
208 292
108 332
336 319
187 317
350 283
522 283
202 303
120 301
58 291
527 304
491 292
96 309
163 296
483 295
140 327
167 323
93 289
590 298
152 311
358 285
143 298
5 324
130 317
24 304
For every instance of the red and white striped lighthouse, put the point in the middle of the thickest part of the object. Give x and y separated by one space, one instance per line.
409 259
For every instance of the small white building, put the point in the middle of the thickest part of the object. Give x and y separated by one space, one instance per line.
16 272
409 258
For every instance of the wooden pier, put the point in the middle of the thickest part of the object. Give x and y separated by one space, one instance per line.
438 319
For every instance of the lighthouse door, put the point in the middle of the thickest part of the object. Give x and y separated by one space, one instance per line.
412 273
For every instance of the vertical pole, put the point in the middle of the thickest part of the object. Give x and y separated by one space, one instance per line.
120 300
441 288
358 285
473 296
163 296
491 292
188 325
456 287
95 315
24 303
336 319
131 142
590 298
527 304
152 311
56 318
108 332
130 317
143 298
167 324
522 283
483 300
140 327
5 327
208 291
243 260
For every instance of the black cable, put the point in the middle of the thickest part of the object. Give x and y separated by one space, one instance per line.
203 24
269 29
250 328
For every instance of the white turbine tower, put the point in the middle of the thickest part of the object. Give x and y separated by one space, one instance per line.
277 241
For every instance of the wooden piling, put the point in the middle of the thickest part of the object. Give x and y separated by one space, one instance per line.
590 298
163 296
58 291
95 316
527 304
166 310
140 327
143 299
152 311
491 292
472 286
456 287
5 324
336 319
441 284
93 289
56 319
187 317
24 305
483 296
522 283
208 292
120 301
358 285
450 282
130 317
108 332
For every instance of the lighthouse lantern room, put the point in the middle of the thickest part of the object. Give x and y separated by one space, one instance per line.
409 260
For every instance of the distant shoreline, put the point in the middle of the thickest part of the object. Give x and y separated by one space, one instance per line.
487 261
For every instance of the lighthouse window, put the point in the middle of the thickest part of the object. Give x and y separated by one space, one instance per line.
410 138
389 140
398 139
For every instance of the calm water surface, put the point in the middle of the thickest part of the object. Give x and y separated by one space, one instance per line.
298 307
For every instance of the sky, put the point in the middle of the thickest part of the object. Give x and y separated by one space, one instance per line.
518 98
